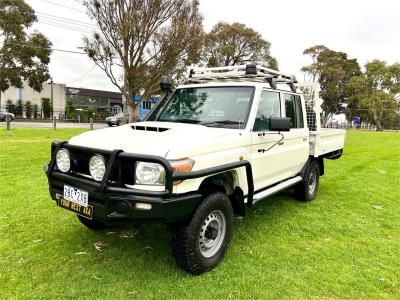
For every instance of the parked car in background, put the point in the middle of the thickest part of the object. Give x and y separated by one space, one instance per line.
4 114
115 120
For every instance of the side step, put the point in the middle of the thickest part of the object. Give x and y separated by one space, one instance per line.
275 189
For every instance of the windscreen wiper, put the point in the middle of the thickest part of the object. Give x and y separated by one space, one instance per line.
222 123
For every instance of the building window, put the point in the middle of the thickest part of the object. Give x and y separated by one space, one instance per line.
146 105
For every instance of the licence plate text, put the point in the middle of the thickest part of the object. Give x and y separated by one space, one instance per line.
76 195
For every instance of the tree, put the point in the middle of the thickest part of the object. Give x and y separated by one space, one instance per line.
23 56
46 107
141 40
235 44
35 111
372 94
19 109
28 109
10 106
332 70
70 112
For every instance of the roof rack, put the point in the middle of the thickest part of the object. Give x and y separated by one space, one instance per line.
250 72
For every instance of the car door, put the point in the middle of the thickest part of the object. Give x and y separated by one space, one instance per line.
296 140
267 165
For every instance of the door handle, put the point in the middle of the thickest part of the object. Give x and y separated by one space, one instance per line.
281 143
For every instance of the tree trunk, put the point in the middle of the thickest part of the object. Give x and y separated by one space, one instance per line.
133 112
378 122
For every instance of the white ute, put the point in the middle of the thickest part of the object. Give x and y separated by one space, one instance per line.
225 140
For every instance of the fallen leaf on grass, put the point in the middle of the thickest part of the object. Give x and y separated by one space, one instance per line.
377 206
80 253
110 232
95 277
99 246
37 241
22 260
131 293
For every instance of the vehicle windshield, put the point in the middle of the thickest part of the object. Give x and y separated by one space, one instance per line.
209 106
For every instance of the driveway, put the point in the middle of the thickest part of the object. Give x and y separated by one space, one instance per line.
50 125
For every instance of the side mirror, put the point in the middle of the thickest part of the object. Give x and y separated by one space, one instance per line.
279 124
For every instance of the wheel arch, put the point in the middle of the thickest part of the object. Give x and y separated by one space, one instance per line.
228 183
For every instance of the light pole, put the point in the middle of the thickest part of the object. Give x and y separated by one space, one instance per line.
51 96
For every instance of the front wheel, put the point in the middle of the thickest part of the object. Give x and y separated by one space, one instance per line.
200 245
308 188
92 224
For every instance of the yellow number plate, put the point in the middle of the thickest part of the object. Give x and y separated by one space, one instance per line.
86 212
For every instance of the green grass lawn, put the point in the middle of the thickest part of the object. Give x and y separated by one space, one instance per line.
345 244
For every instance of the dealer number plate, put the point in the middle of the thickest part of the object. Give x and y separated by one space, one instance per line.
76 195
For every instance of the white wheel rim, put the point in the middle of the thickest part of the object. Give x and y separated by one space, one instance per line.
212 233
312 182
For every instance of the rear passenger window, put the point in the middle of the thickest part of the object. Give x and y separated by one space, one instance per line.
294 110
269 106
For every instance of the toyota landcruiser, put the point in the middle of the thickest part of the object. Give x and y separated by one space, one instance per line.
209 150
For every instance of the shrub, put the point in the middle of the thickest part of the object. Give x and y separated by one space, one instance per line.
70 112
46 108
10 106
28 109
19 109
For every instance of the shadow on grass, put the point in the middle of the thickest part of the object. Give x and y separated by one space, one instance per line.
147 248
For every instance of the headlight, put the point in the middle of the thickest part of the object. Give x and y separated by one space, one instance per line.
97 167
63 160
150 173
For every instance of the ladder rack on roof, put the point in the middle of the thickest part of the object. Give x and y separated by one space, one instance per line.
258 73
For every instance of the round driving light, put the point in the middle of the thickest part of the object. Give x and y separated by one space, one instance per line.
97 167
63 160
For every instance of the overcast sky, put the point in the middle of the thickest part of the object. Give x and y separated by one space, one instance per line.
364 29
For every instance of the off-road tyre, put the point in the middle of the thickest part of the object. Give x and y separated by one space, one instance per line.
189 239
92 224
307 190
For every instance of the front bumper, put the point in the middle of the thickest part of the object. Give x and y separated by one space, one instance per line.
113 122
114 203
112 207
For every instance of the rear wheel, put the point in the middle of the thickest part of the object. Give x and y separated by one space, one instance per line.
308 188
92 224
200 245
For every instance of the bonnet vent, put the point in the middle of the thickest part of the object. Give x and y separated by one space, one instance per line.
150 128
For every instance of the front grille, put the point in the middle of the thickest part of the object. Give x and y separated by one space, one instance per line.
123 171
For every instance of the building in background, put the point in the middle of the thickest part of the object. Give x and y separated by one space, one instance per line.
80 100
26 93
102 102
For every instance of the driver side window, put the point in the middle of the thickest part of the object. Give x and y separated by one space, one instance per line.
269 106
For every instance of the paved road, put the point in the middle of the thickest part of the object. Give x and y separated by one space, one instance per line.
50 125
